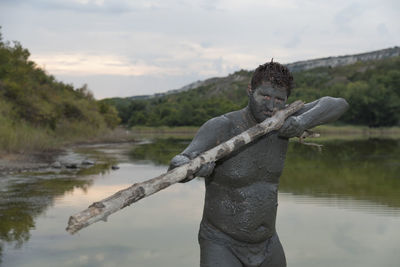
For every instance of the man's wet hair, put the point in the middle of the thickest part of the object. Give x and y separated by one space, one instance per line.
275 73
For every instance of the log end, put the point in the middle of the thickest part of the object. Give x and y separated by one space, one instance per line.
84 218
73 225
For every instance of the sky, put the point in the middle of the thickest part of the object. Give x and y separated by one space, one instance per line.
124 48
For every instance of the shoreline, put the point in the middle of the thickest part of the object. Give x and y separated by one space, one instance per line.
69 158
327 131
33 160
11 163
19 162
15 162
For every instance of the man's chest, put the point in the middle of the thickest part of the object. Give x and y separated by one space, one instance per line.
260 161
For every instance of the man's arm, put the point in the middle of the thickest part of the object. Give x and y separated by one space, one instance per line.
210 134
324 110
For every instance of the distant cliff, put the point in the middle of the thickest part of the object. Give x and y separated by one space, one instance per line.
294 67
343 60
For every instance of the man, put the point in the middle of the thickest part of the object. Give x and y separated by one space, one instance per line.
238 224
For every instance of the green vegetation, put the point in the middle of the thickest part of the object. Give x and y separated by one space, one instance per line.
372 89
39 113
190 108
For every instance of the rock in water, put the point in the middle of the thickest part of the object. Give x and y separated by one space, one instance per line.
56 165
71 165
87 162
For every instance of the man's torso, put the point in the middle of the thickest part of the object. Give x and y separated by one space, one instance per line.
241 194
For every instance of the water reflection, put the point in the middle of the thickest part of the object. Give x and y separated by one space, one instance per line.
366 170
161 151
314 234
24 199
360 169
337 196
25 196
135 236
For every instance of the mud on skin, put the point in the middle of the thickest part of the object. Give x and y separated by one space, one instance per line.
238 224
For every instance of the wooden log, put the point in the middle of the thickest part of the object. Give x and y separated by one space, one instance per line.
123 198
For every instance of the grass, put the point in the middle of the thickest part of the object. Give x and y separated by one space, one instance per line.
22 138
118 135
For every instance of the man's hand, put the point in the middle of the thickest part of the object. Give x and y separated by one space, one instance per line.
204 171
292 127
177 161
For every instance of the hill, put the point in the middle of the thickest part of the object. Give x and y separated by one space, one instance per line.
295 67
344 60
37 112
370 86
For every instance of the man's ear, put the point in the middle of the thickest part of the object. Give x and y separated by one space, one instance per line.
249 91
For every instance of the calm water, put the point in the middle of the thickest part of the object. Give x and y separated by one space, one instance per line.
337 207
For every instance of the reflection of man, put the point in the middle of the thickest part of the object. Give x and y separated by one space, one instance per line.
238 225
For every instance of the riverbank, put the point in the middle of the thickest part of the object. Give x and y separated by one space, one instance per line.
325 131
351 132
35 158
31 160
16 162
146 132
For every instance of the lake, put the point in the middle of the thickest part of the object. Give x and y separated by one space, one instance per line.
338 206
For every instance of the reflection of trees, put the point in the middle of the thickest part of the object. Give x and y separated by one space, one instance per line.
161 151
23 202
28 196
360 169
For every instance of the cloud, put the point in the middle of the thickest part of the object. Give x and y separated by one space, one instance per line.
89 6
210 5
115 6
174 58
382 29
208 60
347 15
294 42
190 38
86 64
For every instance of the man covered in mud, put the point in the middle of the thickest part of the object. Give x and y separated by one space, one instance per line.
238 224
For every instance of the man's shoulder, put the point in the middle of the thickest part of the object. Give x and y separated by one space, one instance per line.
233 114
237 117
220 122
225 122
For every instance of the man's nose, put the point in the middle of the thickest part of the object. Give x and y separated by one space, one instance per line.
270 104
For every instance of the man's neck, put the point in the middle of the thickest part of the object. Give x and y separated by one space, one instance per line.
249 117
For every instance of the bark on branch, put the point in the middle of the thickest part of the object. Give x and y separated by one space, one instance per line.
102 209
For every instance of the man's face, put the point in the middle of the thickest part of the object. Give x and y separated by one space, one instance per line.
265 99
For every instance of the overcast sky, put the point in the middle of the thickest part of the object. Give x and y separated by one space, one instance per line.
125 48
